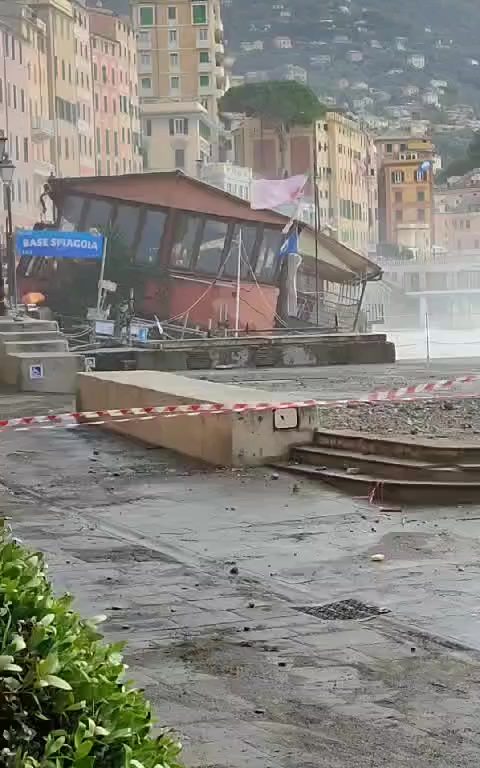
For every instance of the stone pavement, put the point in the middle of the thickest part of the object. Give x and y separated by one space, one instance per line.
246 678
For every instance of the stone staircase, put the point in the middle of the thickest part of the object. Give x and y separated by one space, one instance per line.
34 356
394 470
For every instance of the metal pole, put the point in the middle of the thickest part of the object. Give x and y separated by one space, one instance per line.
237 295
102 273
3 308
316 222
427 337
11 265
359 307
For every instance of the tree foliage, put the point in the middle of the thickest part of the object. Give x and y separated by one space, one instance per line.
464 164
284 102
64 700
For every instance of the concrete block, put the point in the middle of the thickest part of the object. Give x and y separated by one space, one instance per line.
59 371
42 345
9 325
227 439
29 336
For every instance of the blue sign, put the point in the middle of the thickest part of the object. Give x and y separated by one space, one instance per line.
52 244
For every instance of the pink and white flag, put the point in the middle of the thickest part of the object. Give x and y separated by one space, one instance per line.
271 193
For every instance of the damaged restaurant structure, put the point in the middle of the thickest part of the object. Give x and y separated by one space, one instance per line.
182 239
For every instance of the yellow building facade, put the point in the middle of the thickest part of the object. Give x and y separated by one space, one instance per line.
406 210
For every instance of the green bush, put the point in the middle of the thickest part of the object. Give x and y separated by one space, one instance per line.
63 698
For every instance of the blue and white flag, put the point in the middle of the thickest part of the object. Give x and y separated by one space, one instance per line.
289 245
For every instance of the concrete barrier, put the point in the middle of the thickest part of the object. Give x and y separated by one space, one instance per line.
226 439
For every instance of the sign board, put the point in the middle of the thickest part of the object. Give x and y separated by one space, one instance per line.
90 364
104 327
53 244
36 372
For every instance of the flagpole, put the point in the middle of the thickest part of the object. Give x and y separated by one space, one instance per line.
316 222
237 295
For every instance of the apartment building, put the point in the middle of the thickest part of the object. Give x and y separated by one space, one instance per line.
115 94
405 188
181 61
457 217
347 181
23 99
346 170
83 90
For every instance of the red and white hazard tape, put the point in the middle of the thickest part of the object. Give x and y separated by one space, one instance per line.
120 415
419 389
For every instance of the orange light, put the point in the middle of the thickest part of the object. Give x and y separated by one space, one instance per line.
33 298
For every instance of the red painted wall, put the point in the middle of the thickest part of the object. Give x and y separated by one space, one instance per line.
257 304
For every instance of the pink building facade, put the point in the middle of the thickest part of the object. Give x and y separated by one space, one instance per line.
113 49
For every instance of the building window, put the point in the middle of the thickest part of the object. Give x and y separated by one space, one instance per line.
398 177
178 126
126 223
104 73
184 249
398 214
398 196
96 102
204 81
25 150
212 247
174 61
249 239
467 224
172 13
421 197
146 60
389 149
172 38
175 83
204 57
199 14
403 147
421 214
146 83
202 35
105 104
146 16
107 142
268 256
99 213
180 159
22 100
150 237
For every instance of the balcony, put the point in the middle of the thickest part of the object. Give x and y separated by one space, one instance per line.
42 130
220 48
43 168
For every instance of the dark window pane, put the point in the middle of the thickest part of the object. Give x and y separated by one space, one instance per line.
186 229
71 213
150 237
248 237
99 214
211 247
268 256
126 223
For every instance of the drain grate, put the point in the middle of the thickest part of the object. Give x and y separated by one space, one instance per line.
345 610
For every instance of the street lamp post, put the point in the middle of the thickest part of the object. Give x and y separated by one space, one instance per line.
7 169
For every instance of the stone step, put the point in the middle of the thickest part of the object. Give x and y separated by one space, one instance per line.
54 372
45 345
381 466
415 492
9 325
401 447
29 336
